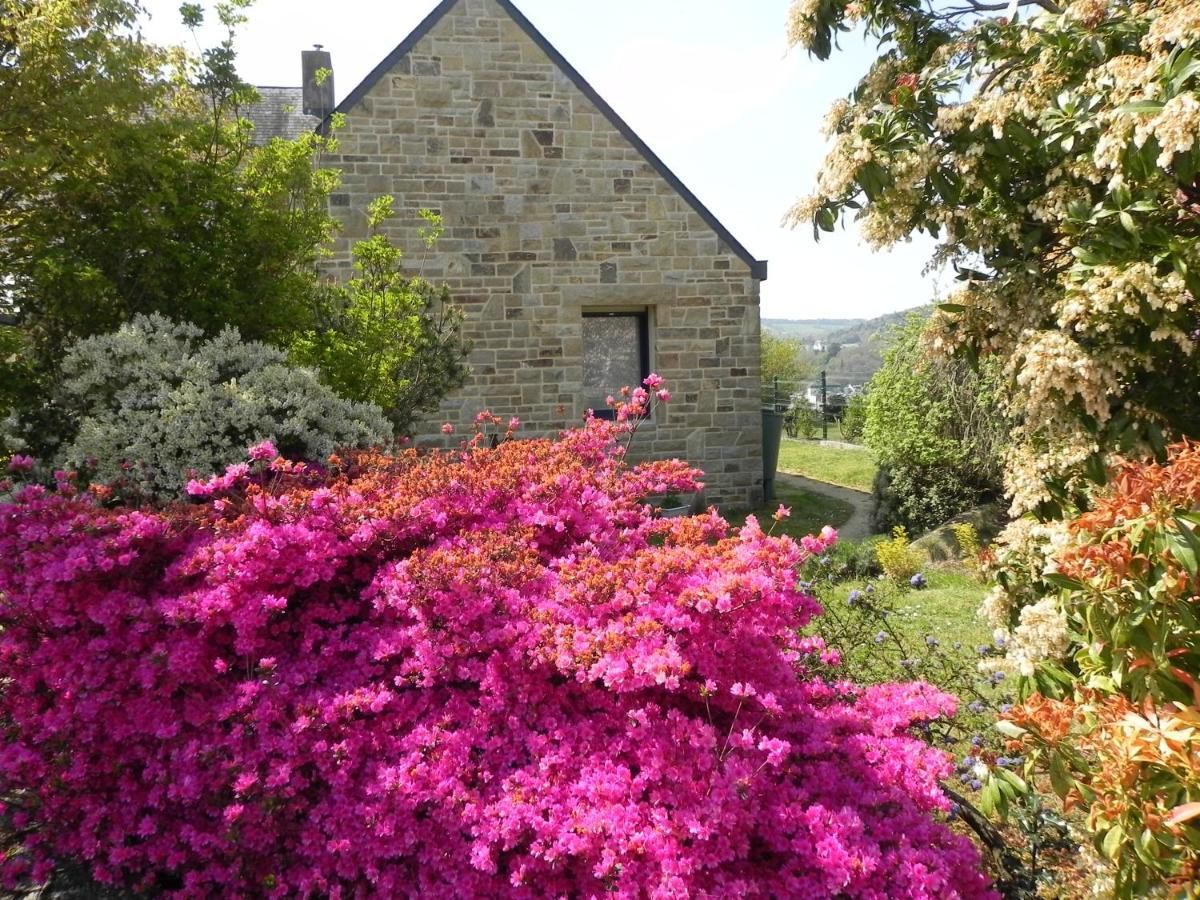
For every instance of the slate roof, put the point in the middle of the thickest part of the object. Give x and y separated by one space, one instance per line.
758 268
278 114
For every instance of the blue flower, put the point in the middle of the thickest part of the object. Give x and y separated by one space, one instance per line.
976 784
854 597
958 645
977 741
976 706
881 637
931 641
997 677
1000 643
870 588
824 560
917 581
1005 707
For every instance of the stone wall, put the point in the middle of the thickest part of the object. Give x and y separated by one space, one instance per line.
550 211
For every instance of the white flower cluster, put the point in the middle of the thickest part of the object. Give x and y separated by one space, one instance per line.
154 400
1042 634
801 22
1032 628
1176 128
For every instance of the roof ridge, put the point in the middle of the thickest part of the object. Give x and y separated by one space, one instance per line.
758 268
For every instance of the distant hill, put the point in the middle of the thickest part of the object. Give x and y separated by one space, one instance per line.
862 330
809 329
853 347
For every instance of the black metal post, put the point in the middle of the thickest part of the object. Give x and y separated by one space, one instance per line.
775 398
824 408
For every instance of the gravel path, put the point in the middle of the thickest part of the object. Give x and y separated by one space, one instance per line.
859 525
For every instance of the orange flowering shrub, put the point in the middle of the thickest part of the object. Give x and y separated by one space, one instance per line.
1125 742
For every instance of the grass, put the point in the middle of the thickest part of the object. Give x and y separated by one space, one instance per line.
852 468
810 513
945 609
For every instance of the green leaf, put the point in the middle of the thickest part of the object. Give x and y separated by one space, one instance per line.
1141 107
1009 729
1062 581
1188 549
1060 776
1013 780
1111 845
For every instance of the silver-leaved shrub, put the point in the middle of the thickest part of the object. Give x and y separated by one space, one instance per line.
155 401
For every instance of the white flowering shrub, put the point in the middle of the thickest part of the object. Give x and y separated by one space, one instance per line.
154 401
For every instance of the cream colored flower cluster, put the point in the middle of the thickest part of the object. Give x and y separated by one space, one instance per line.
1051 370
1176 128
1032 629
801 25
1042 451
1176 23
1115 294
1042 634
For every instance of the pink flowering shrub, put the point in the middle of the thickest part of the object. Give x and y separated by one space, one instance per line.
475 673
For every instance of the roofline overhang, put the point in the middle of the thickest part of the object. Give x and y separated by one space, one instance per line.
758 267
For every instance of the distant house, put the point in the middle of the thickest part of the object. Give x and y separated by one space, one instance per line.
581 261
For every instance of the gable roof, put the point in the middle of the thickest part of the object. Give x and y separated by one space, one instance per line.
758 268
278 113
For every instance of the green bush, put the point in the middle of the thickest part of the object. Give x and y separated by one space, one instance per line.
802 419
923 497
854 419
938 432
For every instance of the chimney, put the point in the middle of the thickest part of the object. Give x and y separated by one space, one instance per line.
318 98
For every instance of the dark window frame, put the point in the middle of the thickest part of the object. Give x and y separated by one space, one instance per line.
643 327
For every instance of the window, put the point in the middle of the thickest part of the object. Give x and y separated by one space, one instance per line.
616 353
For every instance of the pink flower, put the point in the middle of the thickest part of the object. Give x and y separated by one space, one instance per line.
20 463
664 395
263 451
782 513
514 423
447 428
653 380
505 660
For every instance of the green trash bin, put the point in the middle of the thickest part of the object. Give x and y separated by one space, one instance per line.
772 433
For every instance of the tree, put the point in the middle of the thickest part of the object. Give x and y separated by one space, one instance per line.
785 359
937 431
1054 152
389 339
1054 157
132 186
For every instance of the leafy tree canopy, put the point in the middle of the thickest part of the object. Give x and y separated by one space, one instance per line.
130 184
786 359
1052 150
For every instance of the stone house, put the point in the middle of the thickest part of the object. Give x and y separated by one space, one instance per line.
581 261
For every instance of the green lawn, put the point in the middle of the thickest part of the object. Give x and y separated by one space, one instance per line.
810 513
944 610
852 468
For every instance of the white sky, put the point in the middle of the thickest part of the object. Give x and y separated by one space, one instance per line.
708 84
